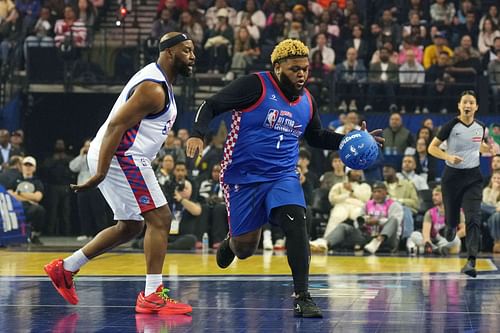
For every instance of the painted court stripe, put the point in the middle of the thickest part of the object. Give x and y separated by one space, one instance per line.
249 309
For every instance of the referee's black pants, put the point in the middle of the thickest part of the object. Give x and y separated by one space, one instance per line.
463 188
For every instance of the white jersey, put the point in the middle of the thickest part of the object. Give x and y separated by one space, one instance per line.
145 139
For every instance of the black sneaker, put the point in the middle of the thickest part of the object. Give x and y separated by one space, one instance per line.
225 255
470 268
304 306
450 233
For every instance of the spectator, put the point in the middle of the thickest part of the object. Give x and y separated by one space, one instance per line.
58 176
382 217
318 80
87 13
358 43
439 84
465 7
465 69
469 28
492 15
426 164
431 240
272 34
91 203
390 28
347 199
304 163
164 171
196 12
6 148
28 189
169 148
408 46
175 7
466 46
12 172
17 140
432 52
442 13
70 30
351 122
10 36
411 79
494 75
252 18
396 135
414 30
210 156
408 168
42 33
214 215
163 24
212 14
491 55
220 43
337 175
193 28
245 52
351 76
491 198
327 53
29 11
487 36
393 55
382 78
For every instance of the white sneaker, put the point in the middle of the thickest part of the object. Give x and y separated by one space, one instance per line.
82 238
373 246
319 245
279 244
267 244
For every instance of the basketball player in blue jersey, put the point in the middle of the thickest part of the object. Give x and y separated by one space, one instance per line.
120 160
271 111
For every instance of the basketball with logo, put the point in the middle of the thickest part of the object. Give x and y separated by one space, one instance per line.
358 150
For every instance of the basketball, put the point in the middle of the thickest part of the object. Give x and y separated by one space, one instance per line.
358 150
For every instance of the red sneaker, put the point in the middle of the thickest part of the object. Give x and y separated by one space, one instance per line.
62 280
159 302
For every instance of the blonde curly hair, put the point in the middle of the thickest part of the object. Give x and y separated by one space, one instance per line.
289 48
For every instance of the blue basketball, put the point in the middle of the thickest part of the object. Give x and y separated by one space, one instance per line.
358 150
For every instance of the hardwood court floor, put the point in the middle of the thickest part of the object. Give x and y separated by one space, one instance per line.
356 293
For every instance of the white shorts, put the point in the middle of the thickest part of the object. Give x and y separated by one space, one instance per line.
130 187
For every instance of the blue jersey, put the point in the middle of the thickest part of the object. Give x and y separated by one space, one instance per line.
263 142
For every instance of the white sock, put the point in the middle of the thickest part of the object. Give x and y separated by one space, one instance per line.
267 234
75 261
152 283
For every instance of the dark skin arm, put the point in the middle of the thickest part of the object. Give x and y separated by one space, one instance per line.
148 98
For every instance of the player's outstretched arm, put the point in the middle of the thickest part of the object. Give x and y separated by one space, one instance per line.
148 98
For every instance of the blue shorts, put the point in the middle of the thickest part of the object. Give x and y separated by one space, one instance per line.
249 205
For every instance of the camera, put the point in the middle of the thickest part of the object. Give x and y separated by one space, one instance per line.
180 186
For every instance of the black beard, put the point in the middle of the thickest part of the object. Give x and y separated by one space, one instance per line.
288 87
181 68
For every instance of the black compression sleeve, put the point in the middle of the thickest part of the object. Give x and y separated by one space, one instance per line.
319 137
238 95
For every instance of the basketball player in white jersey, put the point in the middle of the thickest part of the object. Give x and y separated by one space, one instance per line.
120 160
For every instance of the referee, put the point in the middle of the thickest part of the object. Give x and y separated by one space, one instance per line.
462 182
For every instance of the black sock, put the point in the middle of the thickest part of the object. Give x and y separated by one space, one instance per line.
293 222
472 261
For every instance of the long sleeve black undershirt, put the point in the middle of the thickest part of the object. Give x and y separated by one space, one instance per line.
244 92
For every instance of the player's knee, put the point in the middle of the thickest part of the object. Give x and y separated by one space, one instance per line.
130 229
292 219
244 250
159 219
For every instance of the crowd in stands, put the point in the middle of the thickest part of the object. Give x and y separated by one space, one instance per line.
395 205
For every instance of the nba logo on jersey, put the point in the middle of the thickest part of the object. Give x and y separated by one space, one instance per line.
272 116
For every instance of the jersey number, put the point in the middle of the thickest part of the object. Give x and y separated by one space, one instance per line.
279 141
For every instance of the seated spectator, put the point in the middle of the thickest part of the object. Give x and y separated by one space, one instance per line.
348 199
492 14
327 53
337 175
194 29
29 190
252 18
12 171
425 133
433 51
442 13
414 30
431 240
390 28
272 34
7 150
29 11
70 30
175 7
245 52
469 28
87 13
185 228
382 79
426 164
214 214
465 69
351 77
411 80
318 80
466 46
351 122
220 43
164 24
396 135
41 35
304 163
408 168
406 47
170 148
10 37
164 171
494 75
491 203
393 54
404 192
487 36
358 43
439 85
212 14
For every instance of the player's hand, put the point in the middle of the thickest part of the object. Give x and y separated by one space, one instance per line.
375 133
89 184
194 145
453 159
